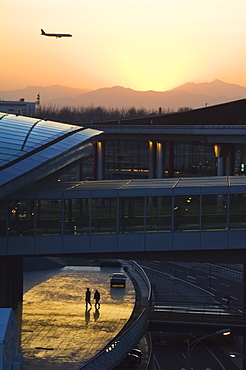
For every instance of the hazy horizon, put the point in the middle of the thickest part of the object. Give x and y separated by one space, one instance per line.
125 87
145 46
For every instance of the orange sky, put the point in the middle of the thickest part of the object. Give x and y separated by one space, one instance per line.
144 45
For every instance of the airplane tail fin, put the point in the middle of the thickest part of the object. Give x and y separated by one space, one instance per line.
42 32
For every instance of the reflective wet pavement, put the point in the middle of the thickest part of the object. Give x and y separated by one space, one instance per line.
57 331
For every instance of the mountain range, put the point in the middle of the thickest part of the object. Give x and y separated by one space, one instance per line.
192 95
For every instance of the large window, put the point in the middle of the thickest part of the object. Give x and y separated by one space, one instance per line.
214 212
159 213
186 213
3 217
194 158
103 215
237 211
76 216
126 158
131 215
21 218
48 217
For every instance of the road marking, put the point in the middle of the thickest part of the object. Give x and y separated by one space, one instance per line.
184 356
191 277
215 290
202 277
216 358
228 286
156 363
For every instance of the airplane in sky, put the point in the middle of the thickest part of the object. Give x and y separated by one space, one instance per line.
57 35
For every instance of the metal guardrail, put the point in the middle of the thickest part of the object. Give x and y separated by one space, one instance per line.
144 276
114 352
194 311
227 272
181 284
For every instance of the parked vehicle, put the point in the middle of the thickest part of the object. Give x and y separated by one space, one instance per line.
118 279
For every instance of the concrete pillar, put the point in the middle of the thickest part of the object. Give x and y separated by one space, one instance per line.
100 155
160 160
220 166
11 281
79 171
171 159
152 159
95 161
225 162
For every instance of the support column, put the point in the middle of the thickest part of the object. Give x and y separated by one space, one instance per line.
225 162
152 159
11 286
79 171
11 281
171 159
160 160
100 160
95 161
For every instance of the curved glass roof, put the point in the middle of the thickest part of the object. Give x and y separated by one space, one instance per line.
31 148
20 135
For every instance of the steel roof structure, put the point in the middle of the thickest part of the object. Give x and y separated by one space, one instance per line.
31 149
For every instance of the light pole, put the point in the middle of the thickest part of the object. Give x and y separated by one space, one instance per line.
191 345
235 354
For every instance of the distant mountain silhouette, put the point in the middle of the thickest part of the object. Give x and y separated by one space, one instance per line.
187 95
46 93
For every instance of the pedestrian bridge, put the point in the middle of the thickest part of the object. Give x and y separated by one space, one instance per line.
124 218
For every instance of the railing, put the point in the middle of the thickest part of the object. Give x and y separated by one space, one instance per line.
144 276
194 311
181 285
116 350
228 272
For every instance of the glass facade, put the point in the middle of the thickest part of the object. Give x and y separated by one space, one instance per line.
131 215
130 158
3 217
124 158
48 217
103 215
186 213
192 158
159 214
77 216
21 218
145 214
238 211
214 212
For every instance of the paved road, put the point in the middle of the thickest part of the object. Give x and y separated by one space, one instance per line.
170 349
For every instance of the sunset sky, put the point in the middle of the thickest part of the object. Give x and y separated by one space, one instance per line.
144 45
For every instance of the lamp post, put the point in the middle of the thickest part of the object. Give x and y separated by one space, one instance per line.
235 354
191 345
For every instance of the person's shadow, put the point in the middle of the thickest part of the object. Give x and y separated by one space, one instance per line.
87 316
96 314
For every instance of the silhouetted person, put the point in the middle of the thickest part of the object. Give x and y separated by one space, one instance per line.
87 298
97 299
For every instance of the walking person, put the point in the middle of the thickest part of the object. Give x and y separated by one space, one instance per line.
97 299
87 298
